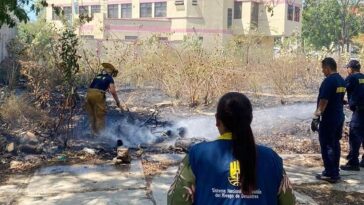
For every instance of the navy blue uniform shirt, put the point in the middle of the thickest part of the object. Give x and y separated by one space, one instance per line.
102 82
355 89
333 89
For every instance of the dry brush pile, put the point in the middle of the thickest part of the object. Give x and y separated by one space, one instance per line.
195 76
48 64
186 72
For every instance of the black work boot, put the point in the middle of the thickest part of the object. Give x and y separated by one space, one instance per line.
349 167
329 179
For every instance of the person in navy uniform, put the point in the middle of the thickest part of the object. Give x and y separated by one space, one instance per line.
329 118
361 164
231 170
355 91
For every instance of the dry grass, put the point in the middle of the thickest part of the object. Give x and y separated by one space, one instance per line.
195 77
294 75
42 80
18 112
185 71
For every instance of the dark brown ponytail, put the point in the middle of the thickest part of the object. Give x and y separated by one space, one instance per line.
236 113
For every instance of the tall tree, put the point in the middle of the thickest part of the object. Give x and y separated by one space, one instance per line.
321 23
350 22
13 11
330 21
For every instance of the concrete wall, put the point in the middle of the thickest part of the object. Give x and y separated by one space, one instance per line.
6 34
292 27
242 25
119 28
95 28
278 23
272 24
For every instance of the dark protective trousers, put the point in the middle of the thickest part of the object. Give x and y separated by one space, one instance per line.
329 137
356 139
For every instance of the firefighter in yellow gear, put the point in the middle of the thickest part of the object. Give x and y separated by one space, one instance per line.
96 97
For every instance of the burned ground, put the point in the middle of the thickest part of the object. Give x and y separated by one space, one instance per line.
156 125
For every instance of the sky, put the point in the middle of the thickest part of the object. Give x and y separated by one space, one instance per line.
31 14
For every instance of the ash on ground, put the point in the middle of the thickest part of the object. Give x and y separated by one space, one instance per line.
156 124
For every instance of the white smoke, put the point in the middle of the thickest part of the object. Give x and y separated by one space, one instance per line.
266 121
281 118
199 127
133 133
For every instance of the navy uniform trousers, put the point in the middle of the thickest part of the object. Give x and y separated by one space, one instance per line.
356 138
329 137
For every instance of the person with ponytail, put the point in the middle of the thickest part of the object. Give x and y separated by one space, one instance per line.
231 170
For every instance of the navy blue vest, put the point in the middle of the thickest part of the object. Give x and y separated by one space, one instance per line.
216 173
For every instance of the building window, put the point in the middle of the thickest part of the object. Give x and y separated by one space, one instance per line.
160 9
131 38
179 2
290 12
145 10
55 16
163 39
95 9
255 15
83 10
238 9
297 14
89 37
194 2
112 11
230 18
67 12
126 11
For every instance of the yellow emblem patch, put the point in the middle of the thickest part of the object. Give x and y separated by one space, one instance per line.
340 90
101 77
234 177
361 81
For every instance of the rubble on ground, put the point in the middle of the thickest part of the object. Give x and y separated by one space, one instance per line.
89 151
123 156
10 147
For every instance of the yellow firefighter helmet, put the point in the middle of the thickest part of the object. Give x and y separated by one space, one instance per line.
108 67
